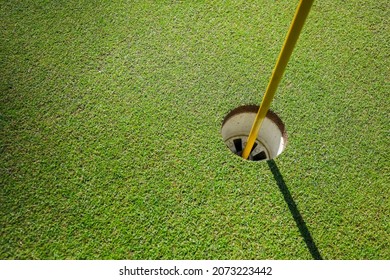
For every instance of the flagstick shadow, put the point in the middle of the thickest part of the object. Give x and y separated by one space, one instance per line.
294 211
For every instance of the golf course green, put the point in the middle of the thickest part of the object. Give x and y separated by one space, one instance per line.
110 130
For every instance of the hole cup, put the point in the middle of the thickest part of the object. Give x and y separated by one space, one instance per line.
270 141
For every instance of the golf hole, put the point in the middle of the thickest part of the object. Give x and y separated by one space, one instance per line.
270 142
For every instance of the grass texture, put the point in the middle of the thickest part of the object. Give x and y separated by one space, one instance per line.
110 131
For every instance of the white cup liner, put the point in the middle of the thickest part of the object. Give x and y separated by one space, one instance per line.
270 141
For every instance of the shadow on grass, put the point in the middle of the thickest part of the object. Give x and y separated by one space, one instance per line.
294 211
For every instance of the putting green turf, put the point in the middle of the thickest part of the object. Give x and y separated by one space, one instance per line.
110 131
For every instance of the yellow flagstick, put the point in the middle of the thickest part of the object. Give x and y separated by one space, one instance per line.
288 46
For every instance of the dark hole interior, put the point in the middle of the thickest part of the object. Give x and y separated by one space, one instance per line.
260 156
238 144
254 146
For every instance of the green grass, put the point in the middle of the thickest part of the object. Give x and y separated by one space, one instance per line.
110 130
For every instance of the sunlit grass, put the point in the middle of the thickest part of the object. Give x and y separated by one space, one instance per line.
110 130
